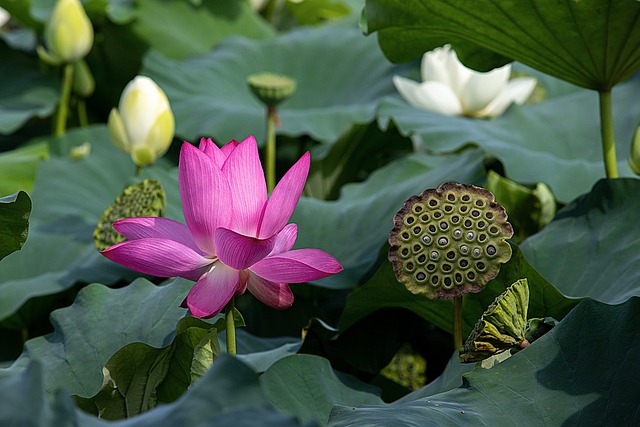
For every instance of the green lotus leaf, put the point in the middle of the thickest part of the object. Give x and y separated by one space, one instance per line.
14 222
591 43
556 141
592 247
583 386
340 77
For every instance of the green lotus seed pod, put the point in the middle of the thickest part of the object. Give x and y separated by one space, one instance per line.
146 198
407 368
449 241
501 327
271 88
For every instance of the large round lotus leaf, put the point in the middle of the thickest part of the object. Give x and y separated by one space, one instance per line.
591 43
30 94
340 78
556 141
14 222
580 373
592 248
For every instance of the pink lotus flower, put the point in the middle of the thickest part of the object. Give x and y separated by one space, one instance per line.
235 238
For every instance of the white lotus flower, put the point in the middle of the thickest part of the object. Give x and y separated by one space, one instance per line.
452 89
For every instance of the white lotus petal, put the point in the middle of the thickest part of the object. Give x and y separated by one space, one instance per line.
517 90
482 88
431 96
459 75
434 66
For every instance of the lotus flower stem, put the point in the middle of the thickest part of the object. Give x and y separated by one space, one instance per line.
457 323
606 129
231 328
63 108
272 118
82 113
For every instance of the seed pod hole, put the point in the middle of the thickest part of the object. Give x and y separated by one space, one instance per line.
420 276
432 228
443 241
475 213
458 278
451 197
443 226
493 229
491 250
471 275
489 215
470 236
482 237
457 234
463 209
417 208
405 235
451 255
424 218
464 263
455 219
405 251
417 248
410 220
448 208
410 266
434 280
446 267
434 255
468 223
466 198
426 239
431 267
433 203
481 224
480 266
447 282
417 230
479 203
464 249
477 252
422 258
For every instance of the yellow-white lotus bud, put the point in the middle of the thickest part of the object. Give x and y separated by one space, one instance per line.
143 123
68 33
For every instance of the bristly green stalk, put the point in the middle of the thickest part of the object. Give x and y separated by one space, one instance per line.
63 108
271 148
606 129
457 323
231 328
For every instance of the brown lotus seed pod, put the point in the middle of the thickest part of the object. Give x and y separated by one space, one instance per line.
449 241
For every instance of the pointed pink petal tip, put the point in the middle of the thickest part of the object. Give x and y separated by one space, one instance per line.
275 295
297 266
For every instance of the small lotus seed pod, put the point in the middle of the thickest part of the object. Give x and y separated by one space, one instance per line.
146 198
271 88
457 233
501 327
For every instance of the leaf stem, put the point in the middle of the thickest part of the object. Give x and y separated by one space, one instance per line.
231 327
606 129
457 323
82 113
271 148
63 108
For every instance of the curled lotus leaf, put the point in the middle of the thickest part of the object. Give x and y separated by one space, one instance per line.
449 241
501 327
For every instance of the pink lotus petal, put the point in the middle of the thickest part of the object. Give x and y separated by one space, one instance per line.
276 295
284 198
239 251
228 148
245 176
205 194
155 227
211 149
213 291
301 265
159 257
285 239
